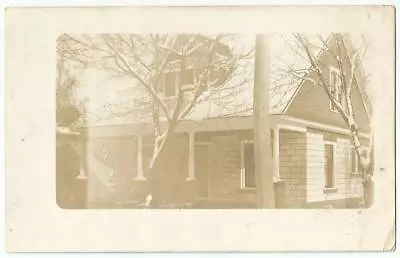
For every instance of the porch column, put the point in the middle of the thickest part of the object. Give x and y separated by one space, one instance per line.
139 162
276 153
82 172
191 175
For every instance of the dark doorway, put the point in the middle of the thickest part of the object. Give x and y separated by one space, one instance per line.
202 168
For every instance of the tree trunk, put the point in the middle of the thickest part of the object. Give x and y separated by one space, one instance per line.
366 168
162 187
262 131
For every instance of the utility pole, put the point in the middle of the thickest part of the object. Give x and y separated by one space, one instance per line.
262 128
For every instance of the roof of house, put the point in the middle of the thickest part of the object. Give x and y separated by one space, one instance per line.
234 98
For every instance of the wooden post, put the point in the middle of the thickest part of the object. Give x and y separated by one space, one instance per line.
82 161
262 133
191 175
139 156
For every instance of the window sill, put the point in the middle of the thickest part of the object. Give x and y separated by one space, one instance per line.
139 179
247 189
330 190
190 179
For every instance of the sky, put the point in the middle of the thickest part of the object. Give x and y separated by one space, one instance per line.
106 90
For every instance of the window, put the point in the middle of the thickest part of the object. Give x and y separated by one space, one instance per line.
329 165
248 171
187 77
170 84
171 81
336 88
248 175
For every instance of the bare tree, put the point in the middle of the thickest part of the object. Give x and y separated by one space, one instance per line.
146 59
348 60
67 110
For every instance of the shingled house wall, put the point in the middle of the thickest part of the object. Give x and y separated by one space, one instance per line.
225 172
293 167
347 188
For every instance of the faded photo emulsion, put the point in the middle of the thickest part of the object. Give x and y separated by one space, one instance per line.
204 121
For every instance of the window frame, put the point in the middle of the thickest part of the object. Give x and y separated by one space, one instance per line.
178 73
242 163
193 77
176 83
336 71
333 188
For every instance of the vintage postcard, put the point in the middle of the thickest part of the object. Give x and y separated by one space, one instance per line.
200 129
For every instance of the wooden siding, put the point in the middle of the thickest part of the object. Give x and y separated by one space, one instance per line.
293 164
345 186
312 103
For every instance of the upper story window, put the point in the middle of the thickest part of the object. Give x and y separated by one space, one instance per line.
336 88
171 81
187 77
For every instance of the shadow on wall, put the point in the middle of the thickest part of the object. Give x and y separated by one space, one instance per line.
70 192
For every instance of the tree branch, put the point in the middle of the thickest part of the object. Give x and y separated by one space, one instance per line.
141 80
312 59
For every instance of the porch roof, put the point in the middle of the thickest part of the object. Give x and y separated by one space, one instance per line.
212 125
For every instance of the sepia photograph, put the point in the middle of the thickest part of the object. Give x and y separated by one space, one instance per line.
200 129
213 121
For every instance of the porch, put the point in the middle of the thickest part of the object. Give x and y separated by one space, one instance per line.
210 163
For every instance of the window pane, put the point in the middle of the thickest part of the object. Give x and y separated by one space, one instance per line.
187 77
170 84
336 89
333 83
249 165
328 166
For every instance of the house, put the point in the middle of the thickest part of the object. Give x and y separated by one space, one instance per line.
212 157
